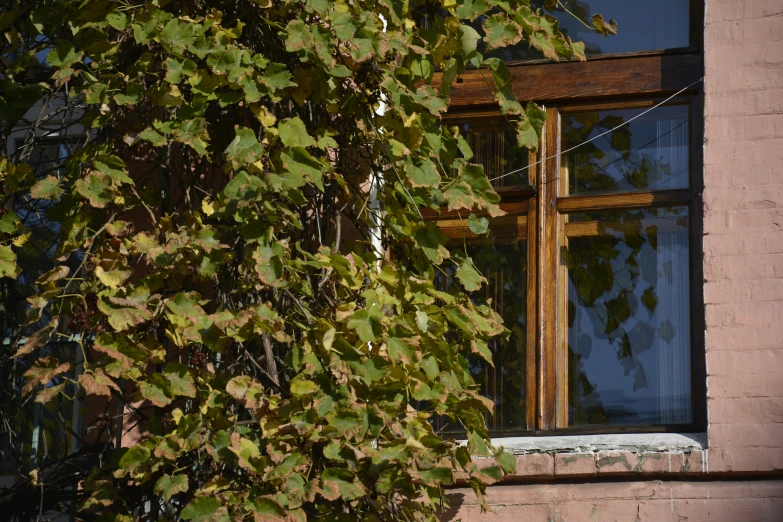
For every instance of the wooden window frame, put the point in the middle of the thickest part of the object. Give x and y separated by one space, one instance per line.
632 80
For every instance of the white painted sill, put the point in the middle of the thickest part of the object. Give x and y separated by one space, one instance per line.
634 442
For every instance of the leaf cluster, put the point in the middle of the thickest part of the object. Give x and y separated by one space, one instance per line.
214 263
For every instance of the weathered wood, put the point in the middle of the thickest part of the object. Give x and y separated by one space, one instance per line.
624 200
550 385
637 76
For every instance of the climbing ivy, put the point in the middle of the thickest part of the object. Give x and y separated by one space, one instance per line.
238 167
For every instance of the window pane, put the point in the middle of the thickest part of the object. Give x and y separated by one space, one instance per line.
650 153
645 25
628 317
497 150
505 267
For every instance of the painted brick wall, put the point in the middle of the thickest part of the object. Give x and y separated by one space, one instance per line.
743 233
743 290
654 501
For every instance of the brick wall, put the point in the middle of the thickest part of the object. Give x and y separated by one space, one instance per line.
654 501
743 291
743 233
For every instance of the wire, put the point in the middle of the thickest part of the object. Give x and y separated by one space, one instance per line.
602 134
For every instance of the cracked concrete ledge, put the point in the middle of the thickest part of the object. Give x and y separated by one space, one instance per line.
633 442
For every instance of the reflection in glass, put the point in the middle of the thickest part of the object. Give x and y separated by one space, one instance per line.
505 267
498 151
645 25
628 317
650 153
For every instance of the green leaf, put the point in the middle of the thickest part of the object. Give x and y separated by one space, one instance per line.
431 240
9 222
298 36
269 264
342 24
301 164
340 483
153 137
237 387
194 133
400 351
479 347
176 37
266 507
112 278
96 188
367 323
64 55
437 476
113 167
123 313
201 509
361 49
303 387
118 21
177 69
341 71
180 381
156 390
468 38
422 173
133 456
276 77
46 188
500 31
476 445
294 134
478 226
507 462
471 279
244 149
168 486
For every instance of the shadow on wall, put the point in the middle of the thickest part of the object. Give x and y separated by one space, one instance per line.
456 500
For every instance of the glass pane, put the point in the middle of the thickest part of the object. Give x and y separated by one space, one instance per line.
650 153
41 433
628 317
505 267
645 25
497 150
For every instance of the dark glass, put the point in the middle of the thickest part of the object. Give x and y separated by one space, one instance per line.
505 267
36 256
628 317
643 25
36 433
24 447
498 151
649 153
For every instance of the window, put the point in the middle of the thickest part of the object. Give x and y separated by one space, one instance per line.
643 26
34 434
596 267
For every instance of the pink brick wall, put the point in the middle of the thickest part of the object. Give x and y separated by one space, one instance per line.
654 501
743 233
743 291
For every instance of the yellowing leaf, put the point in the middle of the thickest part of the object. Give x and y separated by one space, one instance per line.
112 278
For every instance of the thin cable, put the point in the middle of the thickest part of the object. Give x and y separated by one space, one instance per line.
602 134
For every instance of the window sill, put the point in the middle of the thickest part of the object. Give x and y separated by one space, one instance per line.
653 455
633 442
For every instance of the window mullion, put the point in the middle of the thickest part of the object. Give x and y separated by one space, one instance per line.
550 388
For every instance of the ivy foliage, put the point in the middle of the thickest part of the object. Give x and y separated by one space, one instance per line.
239 166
